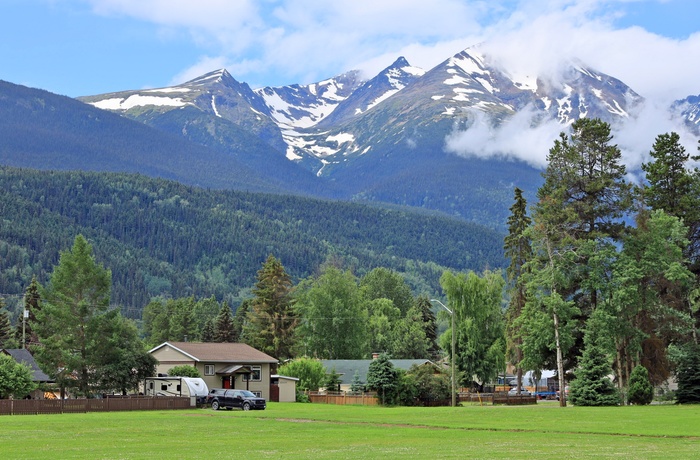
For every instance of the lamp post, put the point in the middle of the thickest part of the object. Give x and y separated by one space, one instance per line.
454 382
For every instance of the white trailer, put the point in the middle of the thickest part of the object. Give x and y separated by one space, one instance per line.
190 387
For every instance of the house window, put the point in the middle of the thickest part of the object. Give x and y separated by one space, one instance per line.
255 374
257 393
208 369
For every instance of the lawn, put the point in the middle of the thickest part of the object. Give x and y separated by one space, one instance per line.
292 430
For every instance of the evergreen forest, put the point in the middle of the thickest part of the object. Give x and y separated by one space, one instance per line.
164 239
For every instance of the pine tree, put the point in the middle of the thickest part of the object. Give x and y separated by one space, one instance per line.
688 375
383 378
333 381
76 297
518 249
272 320
207 332
675 187
577 223
429 325
32 303
357 385
592 386
223 329
6 339
183 323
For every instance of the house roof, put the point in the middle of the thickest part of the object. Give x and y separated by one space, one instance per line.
346 367
218 352
23 356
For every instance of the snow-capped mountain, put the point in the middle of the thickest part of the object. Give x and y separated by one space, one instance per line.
450 95
384 138
387 83
216 94
303 106
688 110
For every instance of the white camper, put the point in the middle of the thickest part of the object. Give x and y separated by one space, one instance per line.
190 387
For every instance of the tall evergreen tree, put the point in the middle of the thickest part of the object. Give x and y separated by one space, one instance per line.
518 249
6 339
240 318
272 319
646 296
207 332
578 219
429 323
32 303
223 329
688 375
183 323
674 186
76 297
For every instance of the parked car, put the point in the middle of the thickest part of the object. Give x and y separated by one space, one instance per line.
514 391
228 399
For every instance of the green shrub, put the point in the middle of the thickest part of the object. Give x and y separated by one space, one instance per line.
641 390
184 371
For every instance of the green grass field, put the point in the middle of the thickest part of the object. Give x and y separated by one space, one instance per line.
306 431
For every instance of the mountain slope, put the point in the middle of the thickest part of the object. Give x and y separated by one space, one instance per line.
46 131
163 238
385 139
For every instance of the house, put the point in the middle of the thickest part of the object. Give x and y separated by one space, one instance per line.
23 356
221 365
346 368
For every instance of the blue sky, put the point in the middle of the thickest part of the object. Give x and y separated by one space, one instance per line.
84 47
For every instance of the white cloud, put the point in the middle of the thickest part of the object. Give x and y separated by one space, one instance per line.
519 137
300 41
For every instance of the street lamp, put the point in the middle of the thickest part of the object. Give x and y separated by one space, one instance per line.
454 382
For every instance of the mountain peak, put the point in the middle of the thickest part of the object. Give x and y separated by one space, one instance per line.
216 76
400 62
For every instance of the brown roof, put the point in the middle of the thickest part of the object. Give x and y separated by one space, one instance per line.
220 352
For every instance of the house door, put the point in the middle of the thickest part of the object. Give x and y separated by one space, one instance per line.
274 392
226 382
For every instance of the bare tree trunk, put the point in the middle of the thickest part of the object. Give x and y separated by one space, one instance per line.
560 363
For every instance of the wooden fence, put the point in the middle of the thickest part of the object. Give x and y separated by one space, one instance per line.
66 406
497 398
343 398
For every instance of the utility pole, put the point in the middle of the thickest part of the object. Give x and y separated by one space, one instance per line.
454 382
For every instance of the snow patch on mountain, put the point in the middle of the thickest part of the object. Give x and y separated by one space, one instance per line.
138 100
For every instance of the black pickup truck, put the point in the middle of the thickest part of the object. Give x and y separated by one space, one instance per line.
221 398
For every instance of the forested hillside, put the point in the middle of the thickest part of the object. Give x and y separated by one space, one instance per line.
162 238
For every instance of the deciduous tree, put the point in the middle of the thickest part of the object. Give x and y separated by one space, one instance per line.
15 378
333 316
480 341
309 371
